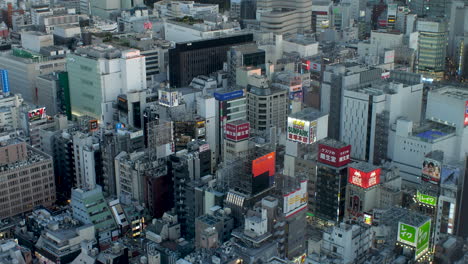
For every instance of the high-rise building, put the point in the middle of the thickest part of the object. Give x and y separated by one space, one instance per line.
370 110
192 59
434 8
243 55
267 107
282 17
331 182
28 178
90 207
98 75
88 161
432 48
10 112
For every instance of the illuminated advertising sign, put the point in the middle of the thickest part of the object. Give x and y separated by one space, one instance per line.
336 157
167 98
296 200
263 170
302 131
237 132
93 125
119 126
363 179
466 113
422 245
5 82
37 114
204 148
367 219
426 199
312 66
431 170
406 234
385 75
228 96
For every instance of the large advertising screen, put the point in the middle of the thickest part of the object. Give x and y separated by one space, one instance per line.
302 131
450 175
466 113
37 114
363 179
431 170
336 157
237 132
407 234
426 199
422 245
295 201
263 170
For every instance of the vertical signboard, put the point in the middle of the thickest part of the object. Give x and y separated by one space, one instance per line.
466 113
5 82
406 234
431 170
422 245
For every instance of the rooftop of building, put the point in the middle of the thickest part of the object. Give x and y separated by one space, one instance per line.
333 143
363 166
307 114
99 51
452 91
303 39
34 156
432 131
247 48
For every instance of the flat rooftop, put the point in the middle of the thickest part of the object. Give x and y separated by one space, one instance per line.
363 166
333 143
308 114
454 92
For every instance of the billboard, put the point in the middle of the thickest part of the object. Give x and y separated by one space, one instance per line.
229 96
237 132
5 82
203 148
406 234
302 131
264 164
466 113
450 175
431 170
93 125
263 170
422 245
336 157
296 200
167 98
363 179
37 114
426 199
367 219
312 66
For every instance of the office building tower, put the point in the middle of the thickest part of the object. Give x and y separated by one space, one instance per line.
321 15
10 112
189 167
224 5
112 143
281 17
267 107
336 78
330 186
24 68
132 171
432 48
88 161
231 106
28 178
104 9
189 60
53 94
434 8
236 140
243 55
243 9
98 74
90 207
370 110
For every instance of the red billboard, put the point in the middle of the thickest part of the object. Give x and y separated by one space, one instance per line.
237 132
363 179
37 114
336 157
264 164
466 113
93 125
